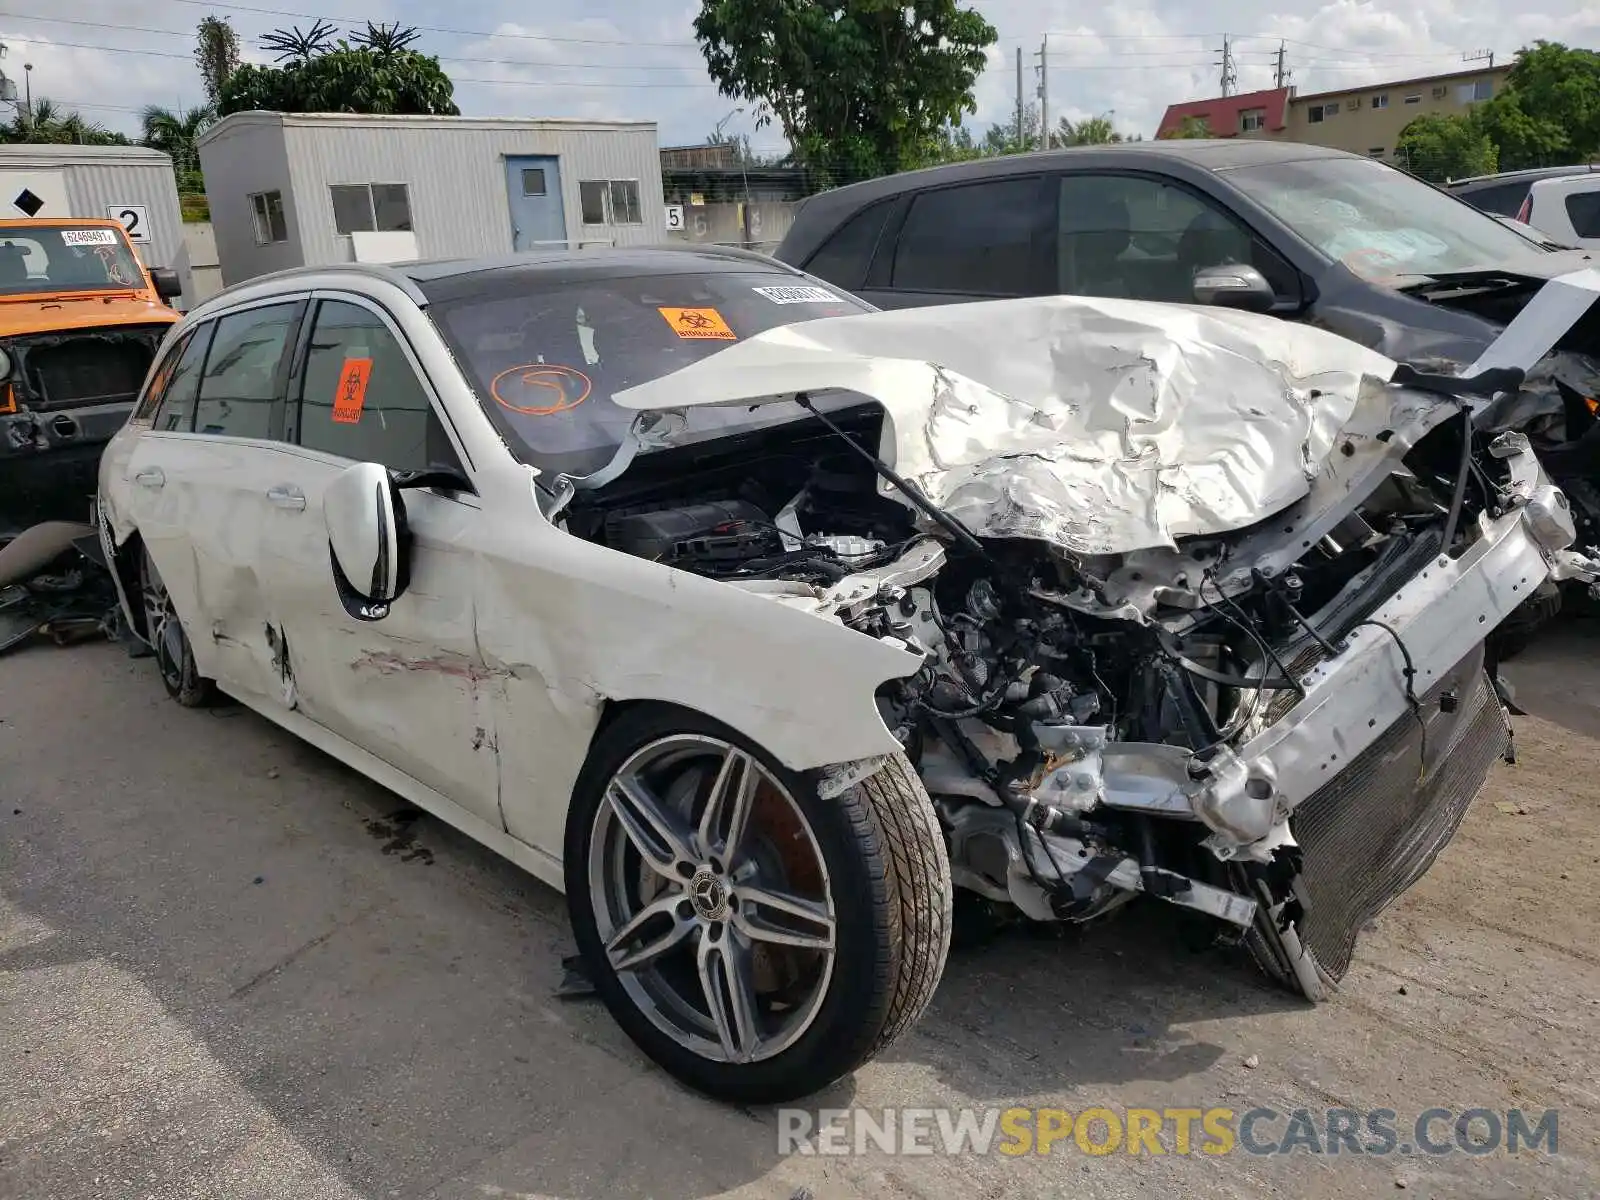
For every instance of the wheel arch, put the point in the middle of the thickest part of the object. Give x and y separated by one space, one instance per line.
123 559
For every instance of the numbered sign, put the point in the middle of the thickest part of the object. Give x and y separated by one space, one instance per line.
674 216
133 220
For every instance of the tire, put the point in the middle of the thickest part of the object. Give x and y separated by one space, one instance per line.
878 873
165 634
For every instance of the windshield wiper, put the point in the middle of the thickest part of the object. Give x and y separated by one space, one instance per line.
1464 282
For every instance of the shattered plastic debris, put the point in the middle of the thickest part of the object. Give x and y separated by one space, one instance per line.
54 583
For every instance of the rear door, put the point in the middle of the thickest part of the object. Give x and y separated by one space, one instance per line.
199 475
413 688
985 240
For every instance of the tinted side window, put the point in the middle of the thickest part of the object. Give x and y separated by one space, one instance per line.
176 412
845 256
1135 238
240 385
976 238
1583 210
361 398
160 377
1505 198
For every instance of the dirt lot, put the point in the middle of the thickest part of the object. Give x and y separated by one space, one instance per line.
227 971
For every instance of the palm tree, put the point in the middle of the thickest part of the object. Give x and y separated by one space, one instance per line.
175 134
1091 131
48 123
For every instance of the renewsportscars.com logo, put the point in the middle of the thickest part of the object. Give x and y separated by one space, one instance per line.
1100 1131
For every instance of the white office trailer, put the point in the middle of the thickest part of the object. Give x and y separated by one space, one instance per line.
127 183
299 189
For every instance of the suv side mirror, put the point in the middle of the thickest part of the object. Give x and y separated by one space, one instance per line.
166 281
1234 286
368 540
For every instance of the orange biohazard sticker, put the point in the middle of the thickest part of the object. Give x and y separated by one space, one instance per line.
699 323
352 393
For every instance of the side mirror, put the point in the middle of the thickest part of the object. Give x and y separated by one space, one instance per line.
166 281
1234 286
368 539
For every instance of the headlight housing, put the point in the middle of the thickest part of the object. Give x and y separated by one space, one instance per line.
5 366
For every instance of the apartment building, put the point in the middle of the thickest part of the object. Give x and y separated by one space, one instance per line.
1363 120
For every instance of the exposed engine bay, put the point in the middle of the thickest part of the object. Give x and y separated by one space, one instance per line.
1087 724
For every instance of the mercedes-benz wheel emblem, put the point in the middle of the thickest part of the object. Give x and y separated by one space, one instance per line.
709 896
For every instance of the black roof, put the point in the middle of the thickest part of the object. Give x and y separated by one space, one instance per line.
816 217
1526 175
464 274
432 280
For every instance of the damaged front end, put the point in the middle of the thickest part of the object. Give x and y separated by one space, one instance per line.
1202 598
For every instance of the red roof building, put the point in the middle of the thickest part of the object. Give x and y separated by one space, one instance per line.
1265 112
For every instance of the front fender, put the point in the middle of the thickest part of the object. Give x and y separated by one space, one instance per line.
567 626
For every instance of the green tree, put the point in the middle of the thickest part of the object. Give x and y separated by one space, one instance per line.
1440 147
1012 137
47 123
1192 128
216 53
373 72
862 87
1548 114
175 135
1091 131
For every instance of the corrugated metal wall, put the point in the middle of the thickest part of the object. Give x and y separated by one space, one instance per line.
99 177
97 189
454 169
242 155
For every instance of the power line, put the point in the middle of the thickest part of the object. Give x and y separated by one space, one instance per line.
534 65
476 33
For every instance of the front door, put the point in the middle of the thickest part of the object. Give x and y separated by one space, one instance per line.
533 183
411 689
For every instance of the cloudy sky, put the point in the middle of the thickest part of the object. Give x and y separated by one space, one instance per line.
1128 59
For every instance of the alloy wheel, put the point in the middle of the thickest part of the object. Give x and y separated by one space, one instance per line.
712 899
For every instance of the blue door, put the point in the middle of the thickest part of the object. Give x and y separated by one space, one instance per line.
537 218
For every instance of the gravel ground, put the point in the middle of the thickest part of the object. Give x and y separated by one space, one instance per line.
227 971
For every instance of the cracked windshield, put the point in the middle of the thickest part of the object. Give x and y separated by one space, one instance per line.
1379 222
545 365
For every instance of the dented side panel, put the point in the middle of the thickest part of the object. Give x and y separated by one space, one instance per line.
412 689
568 625
199 513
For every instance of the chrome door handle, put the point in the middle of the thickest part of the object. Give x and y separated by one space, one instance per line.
150 477
286 495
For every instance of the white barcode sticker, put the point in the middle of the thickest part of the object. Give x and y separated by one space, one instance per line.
88 237
797 295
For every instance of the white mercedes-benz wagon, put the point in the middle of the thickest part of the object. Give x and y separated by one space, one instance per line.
766 626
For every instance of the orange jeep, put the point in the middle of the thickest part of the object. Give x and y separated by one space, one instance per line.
80 320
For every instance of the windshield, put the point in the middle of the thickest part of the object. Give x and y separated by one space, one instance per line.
1379 222
546 357
66 258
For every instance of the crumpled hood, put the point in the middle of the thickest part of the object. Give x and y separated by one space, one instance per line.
1102 426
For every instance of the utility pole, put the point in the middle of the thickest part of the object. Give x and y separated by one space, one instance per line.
1283 76
1019 96
1229 79
1044 94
